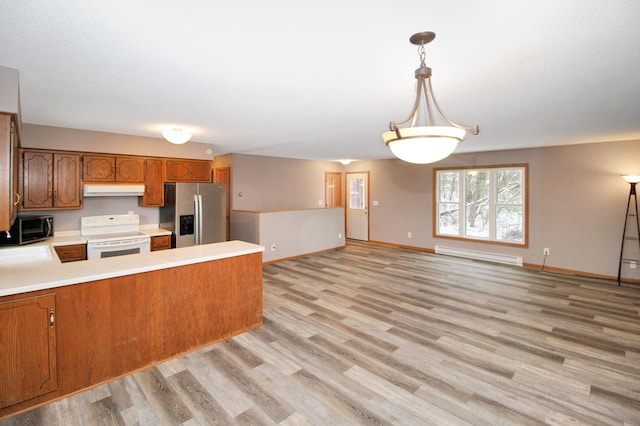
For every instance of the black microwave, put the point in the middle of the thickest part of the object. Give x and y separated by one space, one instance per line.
28 229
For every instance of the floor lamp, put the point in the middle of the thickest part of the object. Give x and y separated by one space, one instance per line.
633 180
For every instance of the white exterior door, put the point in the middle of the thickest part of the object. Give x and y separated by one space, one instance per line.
358 206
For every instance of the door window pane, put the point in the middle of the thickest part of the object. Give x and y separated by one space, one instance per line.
356 194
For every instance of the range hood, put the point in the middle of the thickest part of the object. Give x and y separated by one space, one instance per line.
113 190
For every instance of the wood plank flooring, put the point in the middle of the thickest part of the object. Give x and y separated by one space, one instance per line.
381 335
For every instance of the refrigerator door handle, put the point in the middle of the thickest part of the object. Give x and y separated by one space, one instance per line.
196 220
199 219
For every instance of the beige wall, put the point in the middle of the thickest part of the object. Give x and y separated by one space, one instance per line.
577 202
273 183
47 137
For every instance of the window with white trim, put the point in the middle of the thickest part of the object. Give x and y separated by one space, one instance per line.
485 204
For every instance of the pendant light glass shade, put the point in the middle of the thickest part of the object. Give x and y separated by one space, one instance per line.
422 145
423 141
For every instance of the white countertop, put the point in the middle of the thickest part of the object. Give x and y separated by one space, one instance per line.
29 275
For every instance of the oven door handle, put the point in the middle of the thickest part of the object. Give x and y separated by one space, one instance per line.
130 243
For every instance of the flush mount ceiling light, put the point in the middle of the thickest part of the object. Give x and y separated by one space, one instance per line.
423 141
176 136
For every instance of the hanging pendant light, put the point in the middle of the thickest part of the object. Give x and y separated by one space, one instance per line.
422 141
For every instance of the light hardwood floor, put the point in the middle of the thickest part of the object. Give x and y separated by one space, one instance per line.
380 335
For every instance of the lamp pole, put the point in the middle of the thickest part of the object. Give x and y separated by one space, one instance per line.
632 192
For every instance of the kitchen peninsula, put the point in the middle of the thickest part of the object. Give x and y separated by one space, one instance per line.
71 326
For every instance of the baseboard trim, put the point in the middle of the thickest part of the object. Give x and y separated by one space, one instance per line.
303 255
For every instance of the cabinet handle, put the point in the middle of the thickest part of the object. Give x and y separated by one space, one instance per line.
51 318
18 198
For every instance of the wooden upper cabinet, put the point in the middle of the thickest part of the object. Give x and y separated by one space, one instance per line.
98 168
177 171
27 349
130 169
51 180
109 168
188 171
200 171
9 160
153 183
66 181
37 169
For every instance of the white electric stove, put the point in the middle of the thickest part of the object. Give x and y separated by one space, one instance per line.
113 235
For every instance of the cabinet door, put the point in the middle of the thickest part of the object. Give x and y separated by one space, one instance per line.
98 168
177 171
160 242
71 253
8 164
129 169
27 349
66 181
200 171
153 183
37 180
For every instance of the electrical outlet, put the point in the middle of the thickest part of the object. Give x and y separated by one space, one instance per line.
409 235
632 264
339 235
546 251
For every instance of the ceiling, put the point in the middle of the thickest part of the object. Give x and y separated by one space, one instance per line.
322 80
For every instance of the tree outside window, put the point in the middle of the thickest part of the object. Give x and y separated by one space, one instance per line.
484 204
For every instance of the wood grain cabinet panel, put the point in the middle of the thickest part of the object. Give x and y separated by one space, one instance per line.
129 169
109 168
153 183
37 169
27 349
66 181
9 160
71 253
51 180
99 168
200 171
160 242
188 171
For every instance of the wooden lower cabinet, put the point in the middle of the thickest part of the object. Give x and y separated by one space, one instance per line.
109 328
27 349
160 242
71 253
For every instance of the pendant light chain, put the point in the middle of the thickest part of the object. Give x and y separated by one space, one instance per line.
423 55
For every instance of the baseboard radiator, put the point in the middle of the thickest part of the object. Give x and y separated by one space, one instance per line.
480 255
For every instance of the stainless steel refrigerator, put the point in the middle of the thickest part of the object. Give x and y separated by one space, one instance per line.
195 213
